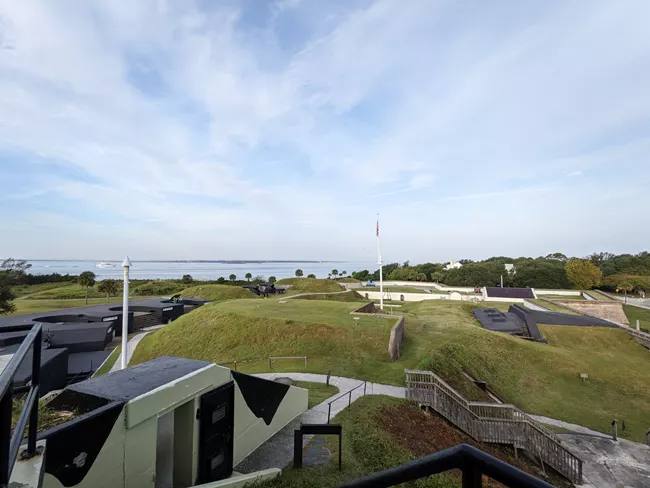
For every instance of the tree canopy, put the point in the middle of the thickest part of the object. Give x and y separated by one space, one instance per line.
109 287
583 274
87 280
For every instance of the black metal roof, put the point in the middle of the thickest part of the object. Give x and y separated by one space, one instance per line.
132 382
496 292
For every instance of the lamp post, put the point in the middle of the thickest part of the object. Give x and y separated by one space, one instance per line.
125 312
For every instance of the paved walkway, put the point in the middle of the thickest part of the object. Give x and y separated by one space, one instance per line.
132 344
277 452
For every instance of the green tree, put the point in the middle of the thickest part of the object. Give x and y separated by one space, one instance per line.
233 277
248 276
12 272
109 287
626 287
335 272
221 280
298 273
6 300
87 280
187 279
583 273
343 273
311 276
272 279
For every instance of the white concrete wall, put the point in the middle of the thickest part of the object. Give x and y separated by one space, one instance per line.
417 297
572 293
251 432
128 457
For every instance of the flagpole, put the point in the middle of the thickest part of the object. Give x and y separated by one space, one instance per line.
381 276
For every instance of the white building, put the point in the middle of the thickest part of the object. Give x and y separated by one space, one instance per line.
452 265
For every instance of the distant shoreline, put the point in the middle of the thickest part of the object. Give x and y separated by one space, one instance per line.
218 261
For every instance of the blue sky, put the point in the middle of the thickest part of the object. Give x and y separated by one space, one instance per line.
233 130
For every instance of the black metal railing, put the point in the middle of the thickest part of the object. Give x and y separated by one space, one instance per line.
349 393
472 462
10 442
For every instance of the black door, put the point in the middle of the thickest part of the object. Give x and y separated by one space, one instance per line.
216 421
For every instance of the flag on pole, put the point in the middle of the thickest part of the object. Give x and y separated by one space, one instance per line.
377 228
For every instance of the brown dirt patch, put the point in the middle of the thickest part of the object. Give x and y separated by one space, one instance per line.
423 434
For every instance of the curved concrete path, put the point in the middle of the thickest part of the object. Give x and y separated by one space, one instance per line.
132 344
277 452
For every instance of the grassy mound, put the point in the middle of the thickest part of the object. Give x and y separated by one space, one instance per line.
541 379
217 292
310 285
348 296
157 288
347 347
347 279
67 292
24 290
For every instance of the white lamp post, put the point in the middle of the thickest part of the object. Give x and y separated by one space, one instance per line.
125 312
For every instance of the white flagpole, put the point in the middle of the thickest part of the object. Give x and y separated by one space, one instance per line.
125 313
381 275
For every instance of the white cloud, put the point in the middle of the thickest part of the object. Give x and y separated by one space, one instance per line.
223 135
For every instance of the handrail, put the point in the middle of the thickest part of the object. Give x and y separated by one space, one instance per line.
349 392
498 423
10 443
472 462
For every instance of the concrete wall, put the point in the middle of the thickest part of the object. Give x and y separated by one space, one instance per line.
251 432
569 293
396 339
128 457
108 468
612 311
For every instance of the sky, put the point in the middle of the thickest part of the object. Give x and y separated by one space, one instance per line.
279 129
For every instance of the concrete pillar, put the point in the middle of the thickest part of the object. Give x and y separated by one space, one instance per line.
637 325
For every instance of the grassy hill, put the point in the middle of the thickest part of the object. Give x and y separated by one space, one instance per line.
542 379
310 285
348 296
217 292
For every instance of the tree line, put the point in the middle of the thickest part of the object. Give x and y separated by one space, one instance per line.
629 272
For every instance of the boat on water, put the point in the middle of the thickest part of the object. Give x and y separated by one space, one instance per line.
105 265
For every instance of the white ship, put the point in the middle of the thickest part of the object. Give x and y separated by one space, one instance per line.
105 265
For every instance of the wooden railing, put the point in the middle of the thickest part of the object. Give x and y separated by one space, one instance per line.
495 423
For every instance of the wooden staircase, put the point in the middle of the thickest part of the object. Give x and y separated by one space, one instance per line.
492 422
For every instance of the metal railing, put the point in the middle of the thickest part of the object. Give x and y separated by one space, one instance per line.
10 442
498 423
472 462
270 360
349 393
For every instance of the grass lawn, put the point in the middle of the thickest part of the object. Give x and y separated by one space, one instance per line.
563 297
599 295
29 305
637 313
348 296
367 448
21 291
108 364
553 307
318 392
